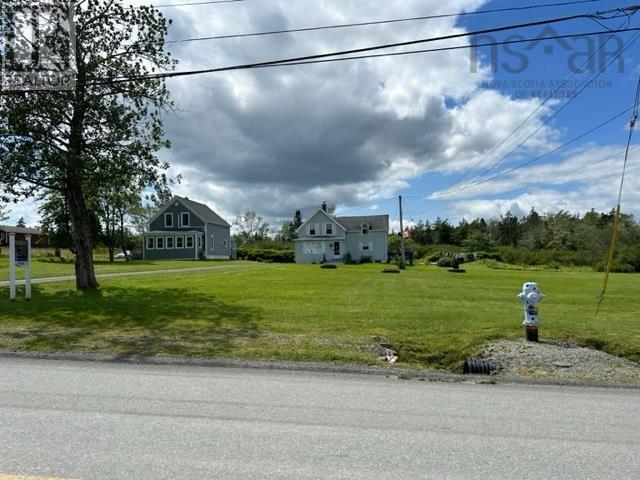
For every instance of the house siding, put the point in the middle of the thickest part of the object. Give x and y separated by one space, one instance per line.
196 222
380 245
217 248
349 242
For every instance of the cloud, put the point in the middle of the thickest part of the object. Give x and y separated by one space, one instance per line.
274 140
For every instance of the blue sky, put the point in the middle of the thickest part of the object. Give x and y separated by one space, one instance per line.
357 134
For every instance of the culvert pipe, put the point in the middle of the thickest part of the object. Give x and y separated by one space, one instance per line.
477 366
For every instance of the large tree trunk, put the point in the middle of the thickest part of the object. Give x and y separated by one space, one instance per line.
81 233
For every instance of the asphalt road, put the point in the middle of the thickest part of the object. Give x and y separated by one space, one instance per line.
113 421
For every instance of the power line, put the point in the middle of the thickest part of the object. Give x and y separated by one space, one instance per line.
532 161
616 223
542 125
285 61
382 22
210 2
537 109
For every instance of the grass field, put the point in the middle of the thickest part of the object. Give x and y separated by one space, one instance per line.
299 312
47 266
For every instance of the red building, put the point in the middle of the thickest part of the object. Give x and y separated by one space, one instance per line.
38 239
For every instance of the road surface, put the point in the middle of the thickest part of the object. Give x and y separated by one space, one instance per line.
113 421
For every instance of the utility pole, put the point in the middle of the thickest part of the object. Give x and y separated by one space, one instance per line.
402 262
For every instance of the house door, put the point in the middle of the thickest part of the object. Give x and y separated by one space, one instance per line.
336 250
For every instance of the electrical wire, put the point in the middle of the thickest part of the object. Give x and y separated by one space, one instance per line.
383 22
194 4
544 123
616 224
532 161
366 49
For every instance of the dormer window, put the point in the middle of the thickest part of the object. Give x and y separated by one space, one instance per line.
185 219
168 220
365 228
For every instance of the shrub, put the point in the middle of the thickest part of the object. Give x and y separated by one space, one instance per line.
348 259
266 255
366 259
449 262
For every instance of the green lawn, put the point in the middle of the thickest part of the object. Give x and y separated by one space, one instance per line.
299 312
44 266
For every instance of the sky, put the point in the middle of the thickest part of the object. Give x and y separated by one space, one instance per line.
438 128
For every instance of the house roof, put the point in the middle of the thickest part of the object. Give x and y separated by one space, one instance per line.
375 222
20 230
200 209
203 211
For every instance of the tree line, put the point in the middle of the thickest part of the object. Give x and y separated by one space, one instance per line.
535 238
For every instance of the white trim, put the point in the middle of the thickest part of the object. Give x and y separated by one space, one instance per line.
189 237
158 241
217 257
153 243
180 237
166 243
327 215
182 225
166 215
326 232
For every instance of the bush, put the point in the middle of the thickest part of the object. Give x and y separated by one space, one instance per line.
449 262
616 268
366 259
266 255
348 259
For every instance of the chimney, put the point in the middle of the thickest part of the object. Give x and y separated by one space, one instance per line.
324 206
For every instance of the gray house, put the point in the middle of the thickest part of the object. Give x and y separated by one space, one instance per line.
324 237
185 229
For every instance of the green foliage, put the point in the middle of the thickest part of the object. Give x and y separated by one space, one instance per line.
259 254
449 262
251 229
101 133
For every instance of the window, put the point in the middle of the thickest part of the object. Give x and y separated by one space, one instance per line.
189 241
179 242
226 243
168 220
329 228
169 241
185 219
150 243
313 247
213 243
160 243
199 241
313 228
366 247
365 228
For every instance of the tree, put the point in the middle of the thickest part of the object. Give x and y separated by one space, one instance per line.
251 228
21 223
289 230
4 213
105 130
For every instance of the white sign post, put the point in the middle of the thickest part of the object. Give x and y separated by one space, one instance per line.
12 266
27 273
19 255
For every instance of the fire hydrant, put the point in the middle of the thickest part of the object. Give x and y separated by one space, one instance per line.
530 297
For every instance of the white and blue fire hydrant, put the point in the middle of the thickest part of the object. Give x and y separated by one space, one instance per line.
530 297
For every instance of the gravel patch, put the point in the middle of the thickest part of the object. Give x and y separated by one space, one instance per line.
560 361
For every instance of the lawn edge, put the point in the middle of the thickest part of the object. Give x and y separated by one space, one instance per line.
311 367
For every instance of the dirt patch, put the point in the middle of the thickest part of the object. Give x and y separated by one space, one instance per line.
560 361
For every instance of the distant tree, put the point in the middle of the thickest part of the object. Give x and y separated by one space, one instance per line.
509 230
477 241
21 223
442 232
4 213
289 230
250 228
